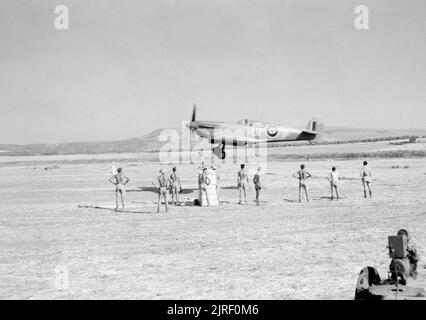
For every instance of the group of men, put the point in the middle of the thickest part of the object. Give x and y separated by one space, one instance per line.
302 175
164 184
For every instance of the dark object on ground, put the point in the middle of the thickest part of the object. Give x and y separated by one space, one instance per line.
371 287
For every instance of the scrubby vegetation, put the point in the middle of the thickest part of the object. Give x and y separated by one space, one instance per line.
352 155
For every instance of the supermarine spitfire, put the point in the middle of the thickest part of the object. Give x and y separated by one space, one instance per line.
248 132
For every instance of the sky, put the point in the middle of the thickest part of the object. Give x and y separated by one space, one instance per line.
125 68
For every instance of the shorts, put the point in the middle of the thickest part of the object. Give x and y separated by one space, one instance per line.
162 191
366 180
257 187
242 185
120 188
175 187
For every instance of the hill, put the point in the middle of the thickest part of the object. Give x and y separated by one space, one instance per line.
150 142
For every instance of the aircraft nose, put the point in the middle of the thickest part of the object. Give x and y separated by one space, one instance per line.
191 125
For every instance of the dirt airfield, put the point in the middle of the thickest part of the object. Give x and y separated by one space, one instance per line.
60 238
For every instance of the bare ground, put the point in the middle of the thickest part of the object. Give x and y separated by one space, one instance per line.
61 219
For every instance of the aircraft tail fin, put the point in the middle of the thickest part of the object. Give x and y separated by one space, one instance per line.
315 125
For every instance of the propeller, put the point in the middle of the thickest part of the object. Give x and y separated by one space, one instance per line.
194 112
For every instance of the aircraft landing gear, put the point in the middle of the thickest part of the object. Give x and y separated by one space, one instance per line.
219 151
223 155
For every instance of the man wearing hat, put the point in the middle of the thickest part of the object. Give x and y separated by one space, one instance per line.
162 188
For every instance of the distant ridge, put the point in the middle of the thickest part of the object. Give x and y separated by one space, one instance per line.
150 142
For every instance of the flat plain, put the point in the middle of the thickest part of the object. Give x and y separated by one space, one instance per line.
61 239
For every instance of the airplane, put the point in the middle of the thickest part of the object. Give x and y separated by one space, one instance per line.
248 132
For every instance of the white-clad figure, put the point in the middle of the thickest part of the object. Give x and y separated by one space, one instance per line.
113 169
212 187
207 182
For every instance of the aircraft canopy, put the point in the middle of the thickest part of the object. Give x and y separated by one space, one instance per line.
248 122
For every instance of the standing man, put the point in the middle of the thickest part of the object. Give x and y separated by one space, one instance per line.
176 186
205 181
334 178
162 187
119 180
366 178
257 185
302 175
242 182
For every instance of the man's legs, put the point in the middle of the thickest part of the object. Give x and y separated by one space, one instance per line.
365 190
173 195
116 200
300 193
369 189
159 201
122 195
337 193
165 200
306 193
331 191
257 196
207 196
240 190
245 192
177 195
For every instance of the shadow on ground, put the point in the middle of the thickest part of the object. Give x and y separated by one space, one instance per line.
113 210
154 190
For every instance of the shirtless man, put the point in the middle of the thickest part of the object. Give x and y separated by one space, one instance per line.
334 178
242 182
162 188
176 186
119 180
302 175
366 179
204 182
257 185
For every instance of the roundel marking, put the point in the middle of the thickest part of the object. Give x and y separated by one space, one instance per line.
272 131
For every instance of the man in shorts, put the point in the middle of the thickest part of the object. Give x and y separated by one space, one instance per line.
366 178
257 185
302 175
334 178
204 183
175 186
119 180
242 182
162 184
